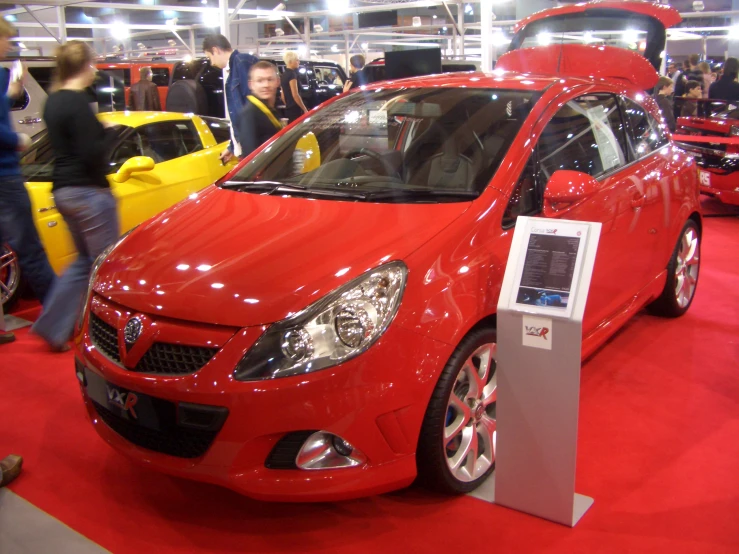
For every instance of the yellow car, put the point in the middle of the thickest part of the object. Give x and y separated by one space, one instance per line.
157 160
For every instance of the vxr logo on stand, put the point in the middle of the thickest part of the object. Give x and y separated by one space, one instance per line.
125 400
541 332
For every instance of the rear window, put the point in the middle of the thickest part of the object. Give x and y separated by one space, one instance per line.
42 75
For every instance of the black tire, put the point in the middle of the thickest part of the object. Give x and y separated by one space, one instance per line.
668 304
11 278
187 96
432 455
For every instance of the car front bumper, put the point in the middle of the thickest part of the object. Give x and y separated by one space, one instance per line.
376 402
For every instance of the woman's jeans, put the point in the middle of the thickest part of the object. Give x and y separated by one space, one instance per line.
90 213
18 230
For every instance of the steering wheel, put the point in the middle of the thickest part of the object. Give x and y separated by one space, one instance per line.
374 155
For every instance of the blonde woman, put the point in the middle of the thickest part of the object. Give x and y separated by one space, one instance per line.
294 107
79 185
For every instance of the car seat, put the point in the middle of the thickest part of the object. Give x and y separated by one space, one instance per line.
187 96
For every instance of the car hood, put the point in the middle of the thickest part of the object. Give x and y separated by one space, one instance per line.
241 259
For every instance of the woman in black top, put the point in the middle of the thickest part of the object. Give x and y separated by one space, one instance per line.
80 187
726 88
294 107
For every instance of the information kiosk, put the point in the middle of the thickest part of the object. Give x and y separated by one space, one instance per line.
540 315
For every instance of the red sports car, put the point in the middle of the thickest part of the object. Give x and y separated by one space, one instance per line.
321 323
713 138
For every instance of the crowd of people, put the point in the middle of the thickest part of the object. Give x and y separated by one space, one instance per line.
681 91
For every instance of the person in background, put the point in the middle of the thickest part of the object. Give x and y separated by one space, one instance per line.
259 121
10 468
671 70
690 73
218 50
705 77
79 185
358 75
726 88
294 106
679 73
16 219
693 93
665 87
145 94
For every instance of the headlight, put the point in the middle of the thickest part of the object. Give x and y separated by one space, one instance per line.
331 331
93 274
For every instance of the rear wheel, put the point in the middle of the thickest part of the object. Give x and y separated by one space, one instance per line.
456 449
10 278
682 274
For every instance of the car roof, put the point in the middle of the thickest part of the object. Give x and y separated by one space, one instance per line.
137 119
495 79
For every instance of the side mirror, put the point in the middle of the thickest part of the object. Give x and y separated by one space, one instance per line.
566 188
137 164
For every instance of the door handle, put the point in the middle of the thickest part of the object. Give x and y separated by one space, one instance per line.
29 121
637 201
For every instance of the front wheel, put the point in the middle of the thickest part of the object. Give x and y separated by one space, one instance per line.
682 274
456 448
10 278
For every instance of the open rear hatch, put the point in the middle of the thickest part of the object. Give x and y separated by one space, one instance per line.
622 40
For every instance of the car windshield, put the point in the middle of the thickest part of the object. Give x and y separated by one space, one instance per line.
398 145
37 163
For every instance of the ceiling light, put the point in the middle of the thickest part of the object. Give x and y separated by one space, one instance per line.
279 7
734 32
317 29
203 1
171 22
279 32
588 37
631 36
210 18
338 6
499 39
334 48
364 45
544 38
435 16
119 31
187 58
416 21
11 18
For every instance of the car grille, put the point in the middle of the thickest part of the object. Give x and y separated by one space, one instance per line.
105 338
174 359
176 441
161 359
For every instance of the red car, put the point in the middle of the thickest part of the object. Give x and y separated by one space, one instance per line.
321 323
713 139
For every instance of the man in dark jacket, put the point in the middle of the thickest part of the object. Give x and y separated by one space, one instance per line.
16 220
259 121
692 74
665 87
145 94
218 50
726 88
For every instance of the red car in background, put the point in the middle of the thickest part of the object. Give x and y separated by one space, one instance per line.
130 73
321 323
713 138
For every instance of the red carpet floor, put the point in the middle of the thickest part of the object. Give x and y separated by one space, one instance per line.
659 452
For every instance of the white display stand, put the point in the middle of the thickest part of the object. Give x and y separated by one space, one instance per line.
540 314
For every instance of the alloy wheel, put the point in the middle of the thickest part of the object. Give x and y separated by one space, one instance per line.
9 273
470 425
686 269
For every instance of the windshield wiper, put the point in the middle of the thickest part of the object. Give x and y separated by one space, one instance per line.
422 195
275 187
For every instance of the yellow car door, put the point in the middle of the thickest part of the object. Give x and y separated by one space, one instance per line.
160 164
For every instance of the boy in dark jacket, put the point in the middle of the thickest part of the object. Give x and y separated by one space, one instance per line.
664 89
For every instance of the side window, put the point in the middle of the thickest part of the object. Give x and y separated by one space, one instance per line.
303 76
585 135
527 196
160 76
219 127
169 140
43 76
21 103
645 133
129 148
326 76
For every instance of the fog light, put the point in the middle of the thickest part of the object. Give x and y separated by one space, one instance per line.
341 446
326 451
